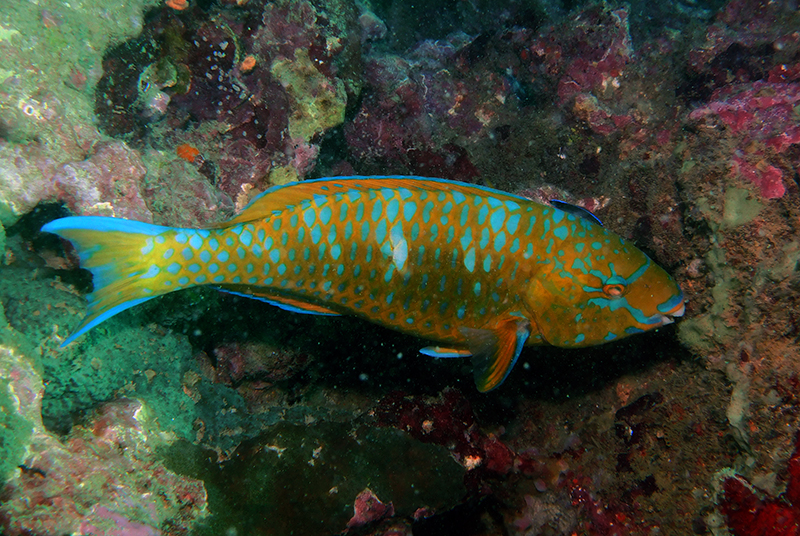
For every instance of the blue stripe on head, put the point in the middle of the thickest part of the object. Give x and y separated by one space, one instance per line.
671 303
638 273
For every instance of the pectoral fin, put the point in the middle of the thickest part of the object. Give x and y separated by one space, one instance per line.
438 351
494 351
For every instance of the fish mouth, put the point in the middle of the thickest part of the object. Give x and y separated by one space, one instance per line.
670 316
669 310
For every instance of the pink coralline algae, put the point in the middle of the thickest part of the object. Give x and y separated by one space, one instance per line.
766 177
597 58
297 89
448 421
599 117
748 514
424 114
584 60
367 508
108 182
746 24
762 119
492 464
287 28
762 110
248 132
184 81
601 519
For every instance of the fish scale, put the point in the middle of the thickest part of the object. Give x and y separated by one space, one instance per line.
478 270
377 265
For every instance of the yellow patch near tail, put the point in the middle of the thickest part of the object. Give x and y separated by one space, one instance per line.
122 257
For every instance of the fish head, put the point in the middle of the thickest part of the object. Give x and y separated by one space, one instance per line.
598 288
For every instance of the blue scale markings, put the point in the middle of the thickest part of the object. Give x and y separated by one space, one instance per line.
389 208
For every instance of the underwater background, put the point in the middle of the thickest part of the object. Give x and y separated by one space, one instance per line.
202 413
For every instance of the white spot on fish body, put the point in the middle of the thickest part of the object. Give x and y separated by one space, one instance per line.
399 247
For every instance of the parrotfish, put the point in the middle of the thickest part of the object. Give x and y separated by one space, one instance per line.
477 271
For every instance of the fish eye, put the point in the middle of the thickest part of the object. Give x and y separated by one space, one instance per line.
614 290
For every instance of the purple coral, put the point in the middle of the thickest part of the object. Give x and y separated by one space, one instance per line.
761 118
107 183
418 111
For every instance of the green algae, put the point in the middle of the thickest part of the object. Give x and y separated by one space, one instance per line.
710 329
15 432
115 360
129 356
740 208
20 387
787 266
3 321
45 43
121 361
2 240
51 57
53 485
320 101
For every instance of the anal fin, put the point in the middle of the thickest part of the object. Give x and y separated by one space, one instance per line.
285 303
495 351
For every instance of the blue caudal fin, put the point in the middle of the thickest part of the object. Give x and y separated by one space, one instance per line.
115 252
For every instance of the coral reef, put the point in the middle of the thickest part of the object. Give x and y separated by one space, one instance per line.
677 123
255 125
18 382
179 82
448 421
50 62
762 116
101 478
367 508
747 514
393 130
107 182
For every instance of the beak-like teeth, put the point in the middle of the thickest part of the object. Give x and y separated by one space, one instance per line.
669 318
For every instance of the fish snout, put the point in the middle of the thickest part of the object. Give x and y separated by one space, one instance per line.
670 316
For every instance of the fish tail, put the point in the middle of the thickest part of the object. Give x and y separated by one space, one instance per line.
128 261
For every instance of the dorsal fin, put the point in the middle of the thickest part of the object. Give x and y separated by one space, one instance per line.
278 198
576 210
